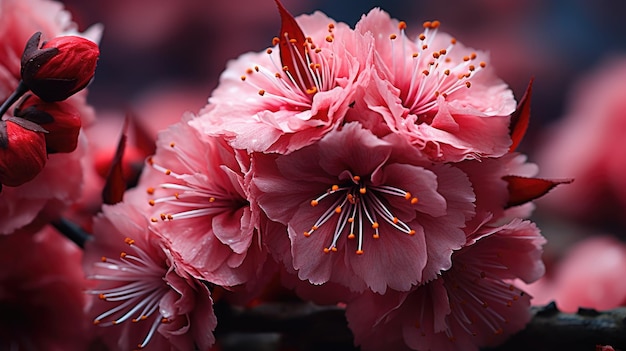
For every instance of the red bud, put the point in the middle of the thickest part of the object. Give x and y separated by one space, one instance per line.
60 68
60 119
22 153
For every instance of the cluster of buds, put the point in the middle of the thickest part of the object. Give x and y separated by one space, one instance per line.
42 122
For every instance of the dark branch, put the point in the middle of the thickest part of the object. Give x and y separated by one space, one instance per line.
304 326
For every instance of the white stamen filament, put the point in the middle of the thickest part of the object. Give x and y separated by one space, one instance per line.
141 290
200 201
313 73
358 203
431 72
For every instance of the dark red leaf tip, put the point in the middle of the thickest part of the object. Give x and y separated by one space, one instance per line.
520 118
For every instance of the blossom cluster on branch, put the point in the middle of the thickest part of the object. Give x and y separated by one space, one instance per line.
361 167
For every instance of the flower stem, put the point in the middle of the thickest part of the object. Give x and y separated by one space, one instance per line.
17 93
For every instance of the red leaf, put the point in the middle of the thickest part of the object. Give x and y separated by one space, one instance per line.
293 48
115 184
520 118
523 190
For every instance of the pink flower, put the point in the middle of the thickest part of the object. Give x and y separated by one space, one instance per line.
143 298
590 275
41 293
471 305
363 211
292 94
443 97
198 191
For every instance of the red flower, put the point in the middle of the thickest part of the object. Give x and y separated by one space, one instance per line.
60 68
22 153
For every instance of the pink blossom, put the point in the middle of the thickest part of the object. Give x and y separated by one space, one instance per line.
41 293
590 149
59 182
590 275
471 305
363 211
443 97
143 298
200 204
263 104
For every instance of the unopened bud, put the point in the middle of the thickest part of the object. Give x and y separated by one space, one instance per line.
22 153
60 119
60 68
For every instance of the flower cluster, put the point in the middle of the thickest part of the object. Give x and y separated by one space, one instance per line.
374 163
42 110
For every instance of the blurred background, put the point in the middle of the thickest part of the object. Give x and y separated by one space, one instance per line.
162 57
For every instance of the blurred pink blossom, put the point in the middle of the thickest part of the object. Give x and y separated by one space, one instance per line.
588 145
590 275
41 293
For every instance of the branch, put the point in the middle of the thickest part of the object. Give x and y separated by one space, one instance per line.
305 326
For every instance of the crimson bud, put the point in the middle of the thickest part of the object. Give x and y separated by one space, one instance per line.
60 119
60 68
22 152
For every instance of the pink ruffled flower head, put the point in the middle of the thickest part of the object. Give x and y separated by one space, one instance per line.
471 305
364 211
292 94
197 191
143 298
440 95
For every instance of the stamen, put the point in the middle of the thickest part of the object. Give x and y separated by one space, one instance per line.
142 288
358 202
420 82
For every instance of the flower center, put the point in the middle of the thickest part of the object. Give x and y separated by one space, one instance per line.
358 205
312 72
139 293
191 199
423 73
